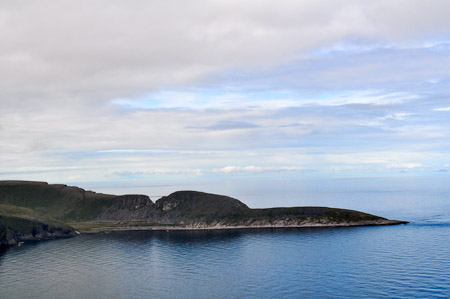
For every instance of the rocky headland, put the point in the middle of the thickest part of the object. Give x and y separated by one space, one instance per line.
21 224
38 210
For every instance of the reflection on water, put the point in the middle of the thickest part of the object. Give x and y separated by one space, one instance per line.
392 261
406 261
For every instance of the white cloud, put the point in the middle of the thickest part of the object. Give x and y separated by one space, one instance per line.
396 116
370 98
157 172
421 131
404 166
442 109
254 169
197 172
186 87
111 49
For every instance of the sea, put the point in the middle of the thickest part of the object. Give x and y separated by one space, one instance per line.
401 261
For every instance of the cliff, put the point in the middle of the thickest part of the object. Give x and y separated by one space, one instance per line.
90 211
67 203
21 224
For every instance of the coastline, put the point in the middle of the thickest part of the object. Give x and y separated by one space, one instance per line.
110 227
38 211
106 227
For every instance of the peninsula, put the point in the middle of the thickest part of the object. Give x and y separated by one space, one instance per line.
38 210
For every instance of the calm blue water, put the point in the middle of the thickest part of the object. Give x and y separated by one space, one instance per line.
406 261
409 261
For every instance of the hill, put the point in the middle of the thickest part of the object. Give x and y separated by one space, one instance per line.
20 224
91 211
67 203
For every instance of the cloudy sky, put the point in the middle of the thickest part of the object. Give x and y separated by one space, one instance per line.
113 91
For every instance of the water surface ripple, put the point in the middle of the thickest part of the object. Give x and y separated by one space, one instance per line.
407 261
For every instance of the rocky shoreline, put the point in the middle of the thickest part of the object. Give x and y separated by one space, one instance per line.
14 230
111 227
37 210
14 238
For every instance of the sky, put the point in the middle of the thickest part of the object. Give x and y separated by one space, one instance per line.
219 91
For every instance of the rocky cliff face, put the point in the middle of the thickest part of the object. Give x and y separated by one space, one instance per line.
190 207
183 209
61 202
128 208
14 230
66 203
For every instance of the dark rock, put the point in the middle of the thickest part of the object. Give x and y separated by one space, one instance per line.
188 209
14 230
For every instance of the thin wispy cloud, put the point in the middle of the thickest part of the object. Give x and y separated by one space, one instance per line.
442 109
254 169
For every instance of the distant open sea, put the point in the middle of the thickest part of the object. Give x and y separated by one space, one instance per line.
405 261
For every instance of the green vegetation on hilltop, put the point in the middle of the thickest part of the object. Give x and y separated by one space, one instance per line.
19 223
61 202
52 205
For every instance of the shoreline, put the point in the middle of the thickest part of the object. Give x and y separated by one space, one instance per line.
36 210
168 228
94 230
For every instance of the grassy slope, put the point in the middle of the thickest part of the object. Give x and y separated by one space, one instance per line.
196 207
19 223
86 209
58 201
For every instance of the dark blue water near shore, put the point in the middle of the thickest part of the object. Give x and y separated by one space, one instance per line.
406 261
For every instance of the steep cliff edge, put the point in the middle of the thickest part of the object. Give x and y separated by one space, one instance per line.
193 209
21 224
90 211
198 208
68 203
